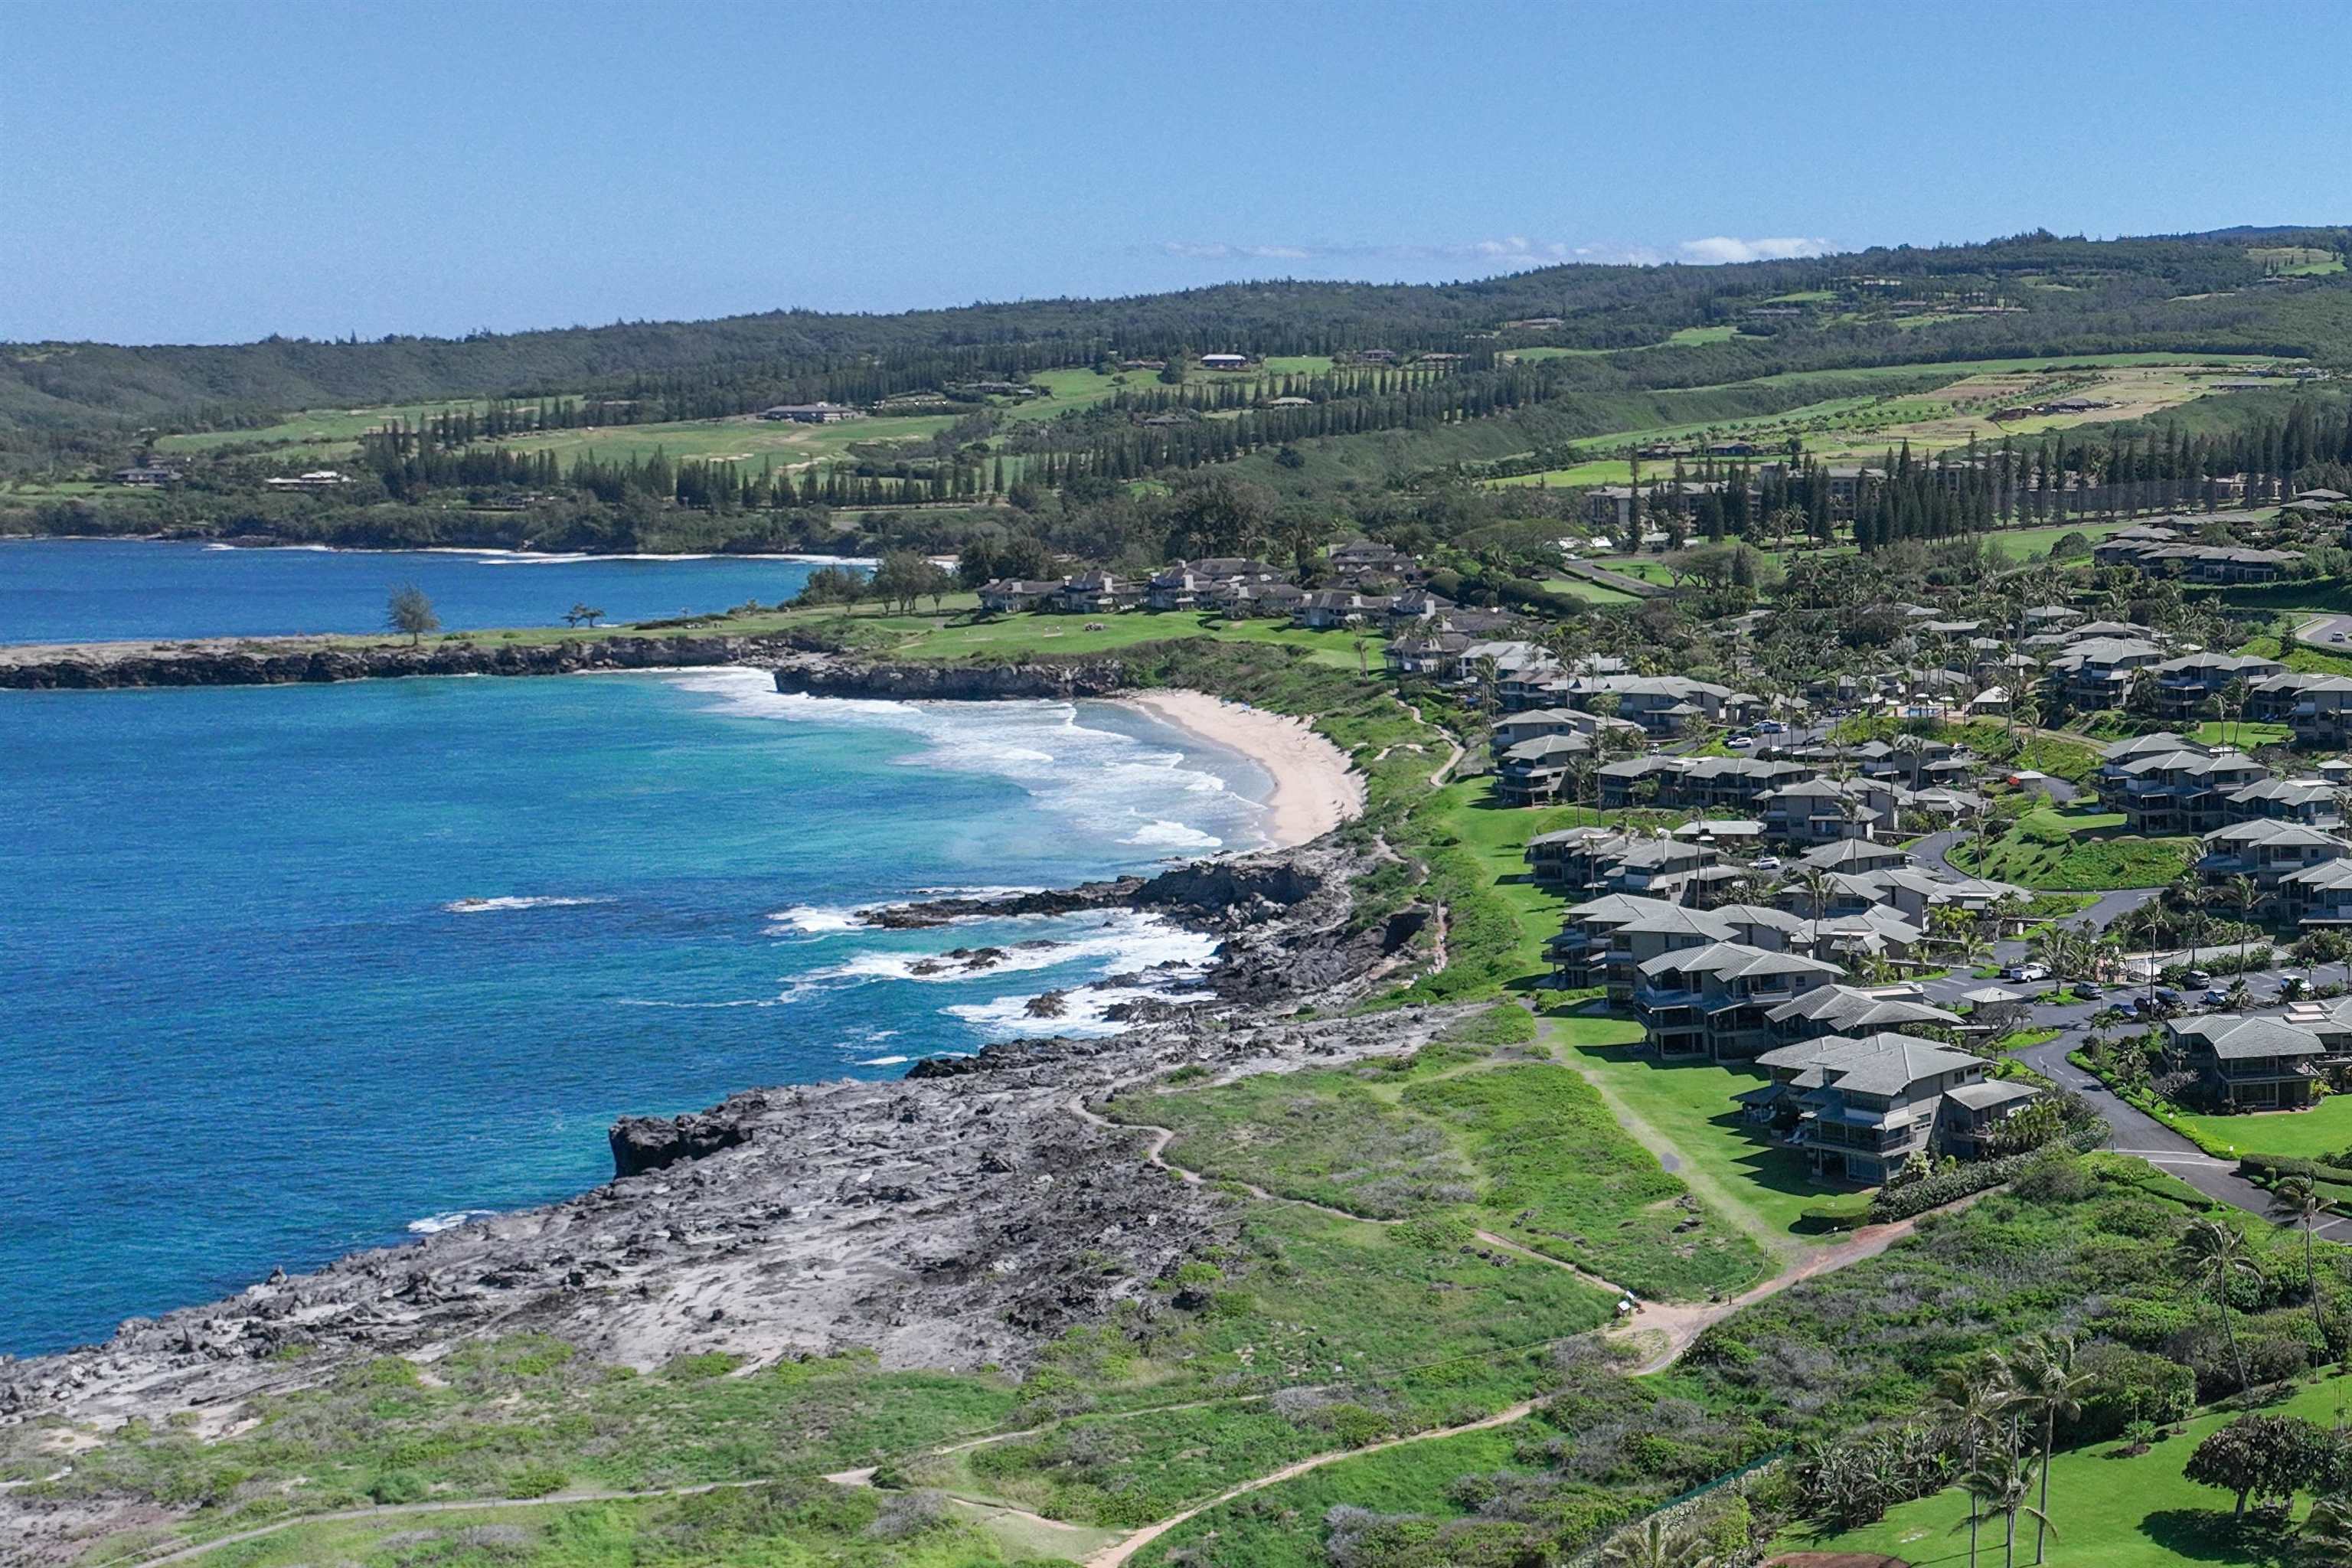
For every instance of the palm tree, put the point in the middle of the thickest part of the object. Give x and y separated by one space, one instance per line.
2045 1383
2001 1487
2246 893
1654 1544
1816 884
2298 1198
1972 1397
2217 1252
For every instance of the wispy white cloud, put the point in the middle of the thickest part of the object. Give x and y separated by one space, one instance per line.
1516 250
1719 248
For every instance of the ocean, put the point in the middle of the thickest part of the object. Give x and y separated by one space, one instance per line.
295 969
92 589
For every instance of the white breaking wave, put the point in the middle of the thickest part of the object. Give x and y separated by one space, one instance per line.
488 906
881 1061
433 1224
1166 834
814 919
1108 784
1124 941
1081 1016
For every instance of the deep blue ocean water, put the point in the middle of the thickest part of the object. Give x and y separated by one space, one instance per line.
91 590
290 970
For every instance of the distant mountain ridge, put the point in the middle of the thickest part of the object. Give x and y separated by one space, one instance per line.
2178 291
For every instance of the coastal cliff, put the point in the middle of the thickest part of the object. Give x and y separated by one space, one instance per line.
99 666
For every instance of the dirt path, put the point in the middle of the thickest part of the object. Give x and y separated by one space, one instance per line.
1681 1324
389 1510
1113 1555
1155 1154
1777 1243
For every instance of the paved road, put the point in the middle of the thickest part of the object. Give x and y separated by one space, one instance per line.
2332 632
2136 1131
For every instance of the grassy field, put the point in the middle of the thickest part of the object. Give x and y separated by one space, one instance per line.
1689 1104
1525 1148
1496 837
330 432
2078 852
780 1526
1590 592
1010 636
1861 427
740 440
2114 1512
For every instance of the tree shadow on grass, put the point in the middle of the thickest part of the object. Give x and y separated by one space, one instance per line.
2212 1535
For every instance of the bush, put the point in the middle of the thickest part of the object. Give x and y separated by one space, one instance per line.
536 1480
1947 1186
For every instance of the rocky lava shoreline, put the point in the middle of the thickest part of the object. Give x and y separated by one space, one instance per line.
955 1218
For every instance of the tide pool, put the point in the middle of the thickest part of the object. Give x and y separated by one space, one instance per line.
290 971
91 590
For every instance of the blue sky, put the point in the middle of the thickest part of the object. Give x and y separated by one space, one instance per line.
206 171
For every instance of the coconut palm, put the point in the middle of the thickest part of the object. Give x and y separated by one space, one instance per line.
2217 1253
1972 1398
2298 1198
1654 1544
2247 894
2001 1487
2044 1384
1816 884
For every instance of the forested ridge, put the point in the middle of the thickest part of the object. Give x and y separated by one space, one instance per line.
2054 296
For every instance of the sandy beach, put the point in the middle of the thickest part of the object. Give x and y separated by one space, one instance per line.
1315 787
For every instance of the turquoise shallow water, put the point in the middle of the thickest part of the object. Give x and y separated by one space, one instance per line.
290 971
88 590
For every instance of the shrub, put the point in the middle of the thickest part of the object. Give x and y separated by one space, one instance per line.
536 1480
1948 1186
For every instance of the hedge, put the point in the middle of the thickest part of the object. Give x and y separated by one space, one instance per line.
2267 1168
1948 1186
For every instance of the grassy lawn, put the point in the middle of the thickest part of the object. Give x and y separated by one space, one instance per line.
1496 837
2324 1130
2241 733
1590 592
1011 636
1690 1105
2084 852
1458 1138
2138 1512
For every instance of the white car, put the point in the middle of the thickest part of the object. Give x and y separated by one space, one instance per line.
1768 862
2026 972
2336 636
1741 740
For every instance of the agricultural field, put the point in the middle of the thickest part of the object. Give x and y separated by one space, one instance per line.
1861 428
1687 337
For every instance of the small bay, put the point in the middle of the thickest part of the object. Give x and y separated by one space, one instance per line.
292 971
